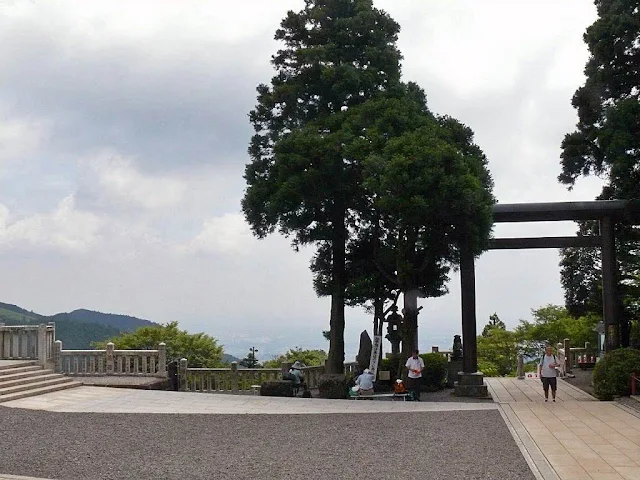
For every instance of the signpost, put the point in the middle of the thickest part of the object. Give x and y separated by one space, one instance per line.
375 355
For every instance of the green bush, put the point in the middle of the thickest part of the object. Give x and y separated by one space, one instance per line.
333 386
489 369
434 375
612 374
391 364
276 389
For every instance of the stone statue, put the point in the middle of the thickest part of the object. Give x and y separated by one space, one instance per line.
394 319
457 348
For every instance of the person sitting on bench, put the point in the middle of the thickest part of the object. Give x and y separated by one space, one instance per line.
296 373
365 382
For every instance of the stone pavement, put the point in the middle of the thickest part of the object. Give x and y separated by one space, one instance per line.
107 400
575 438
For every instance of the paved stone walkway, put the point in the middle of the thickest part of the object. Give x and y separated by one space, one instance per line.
117 400
575 438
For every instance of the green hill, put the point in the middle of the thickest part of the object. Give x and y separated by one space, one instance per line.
77 329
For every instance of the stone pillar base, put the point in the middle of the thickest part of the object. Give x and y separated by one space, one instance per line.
454 367
471 385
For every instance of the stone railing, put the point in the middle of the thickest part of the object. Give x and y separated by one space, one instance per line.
28 342
243 380
149 363
312 375
224 379
573 356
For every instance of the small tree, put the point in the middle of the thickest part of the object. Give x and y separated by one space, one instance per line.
199 349
494 322
309 357
250 361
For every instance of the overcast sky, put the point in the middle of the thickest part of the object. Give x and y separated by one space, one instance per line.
123 136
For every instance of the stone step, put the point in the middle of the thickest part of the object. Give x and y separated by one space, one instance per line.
41 377
39 391
17 364
26 374
32 386
12 371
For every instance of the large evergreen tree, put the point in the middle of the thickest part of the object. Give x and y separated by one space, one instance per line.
337 54
607 143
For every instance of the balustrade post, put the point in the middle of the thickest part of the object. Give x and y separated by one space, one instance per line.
182 373
41 345
57 355
162 360
567 355
1 340
109 355
234 377
520 367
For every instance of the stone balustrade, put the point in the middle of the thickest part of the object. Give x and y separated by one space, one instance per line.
149 363
28 342
212 380
224 379
312 375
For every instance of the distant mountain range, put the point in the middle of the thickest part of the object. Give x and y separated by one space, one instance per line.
76 329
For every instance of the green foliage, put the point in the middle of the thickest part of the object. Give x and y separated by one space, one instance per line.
276 389
500 348
612 374
199 349
552 324
310 358
434 374
334 386
606 143
494 322
336 55
489 369
391 364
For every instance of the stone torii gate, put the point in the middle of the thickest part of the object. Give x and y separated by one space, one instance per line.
607 212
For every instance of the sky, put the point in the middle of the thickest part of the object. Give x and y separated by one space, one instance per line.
123 137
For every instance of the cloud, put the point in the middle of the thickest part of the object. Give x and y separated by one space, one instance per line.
64 228
228 234
116 179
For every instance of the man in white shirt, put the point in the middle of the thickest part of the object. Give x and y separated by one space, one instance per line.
548 373
415 365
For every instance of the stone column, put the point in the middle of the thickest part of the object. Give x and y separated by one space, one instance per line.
567 355
162 360
109 355
234 376
57 355
41 346
520 367
1 340
182 374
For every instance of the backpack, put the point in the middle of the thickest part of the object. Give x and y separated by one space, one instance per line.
555 360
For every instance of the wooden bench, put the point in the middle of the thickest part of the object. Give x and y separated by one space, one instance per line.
373 396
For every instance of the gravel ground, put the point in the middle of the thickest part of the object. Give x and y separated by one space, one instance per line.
582 380
631 403
88 446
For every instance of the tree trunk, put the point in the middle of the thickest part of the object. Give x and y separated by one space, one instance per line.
410 323
335 360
